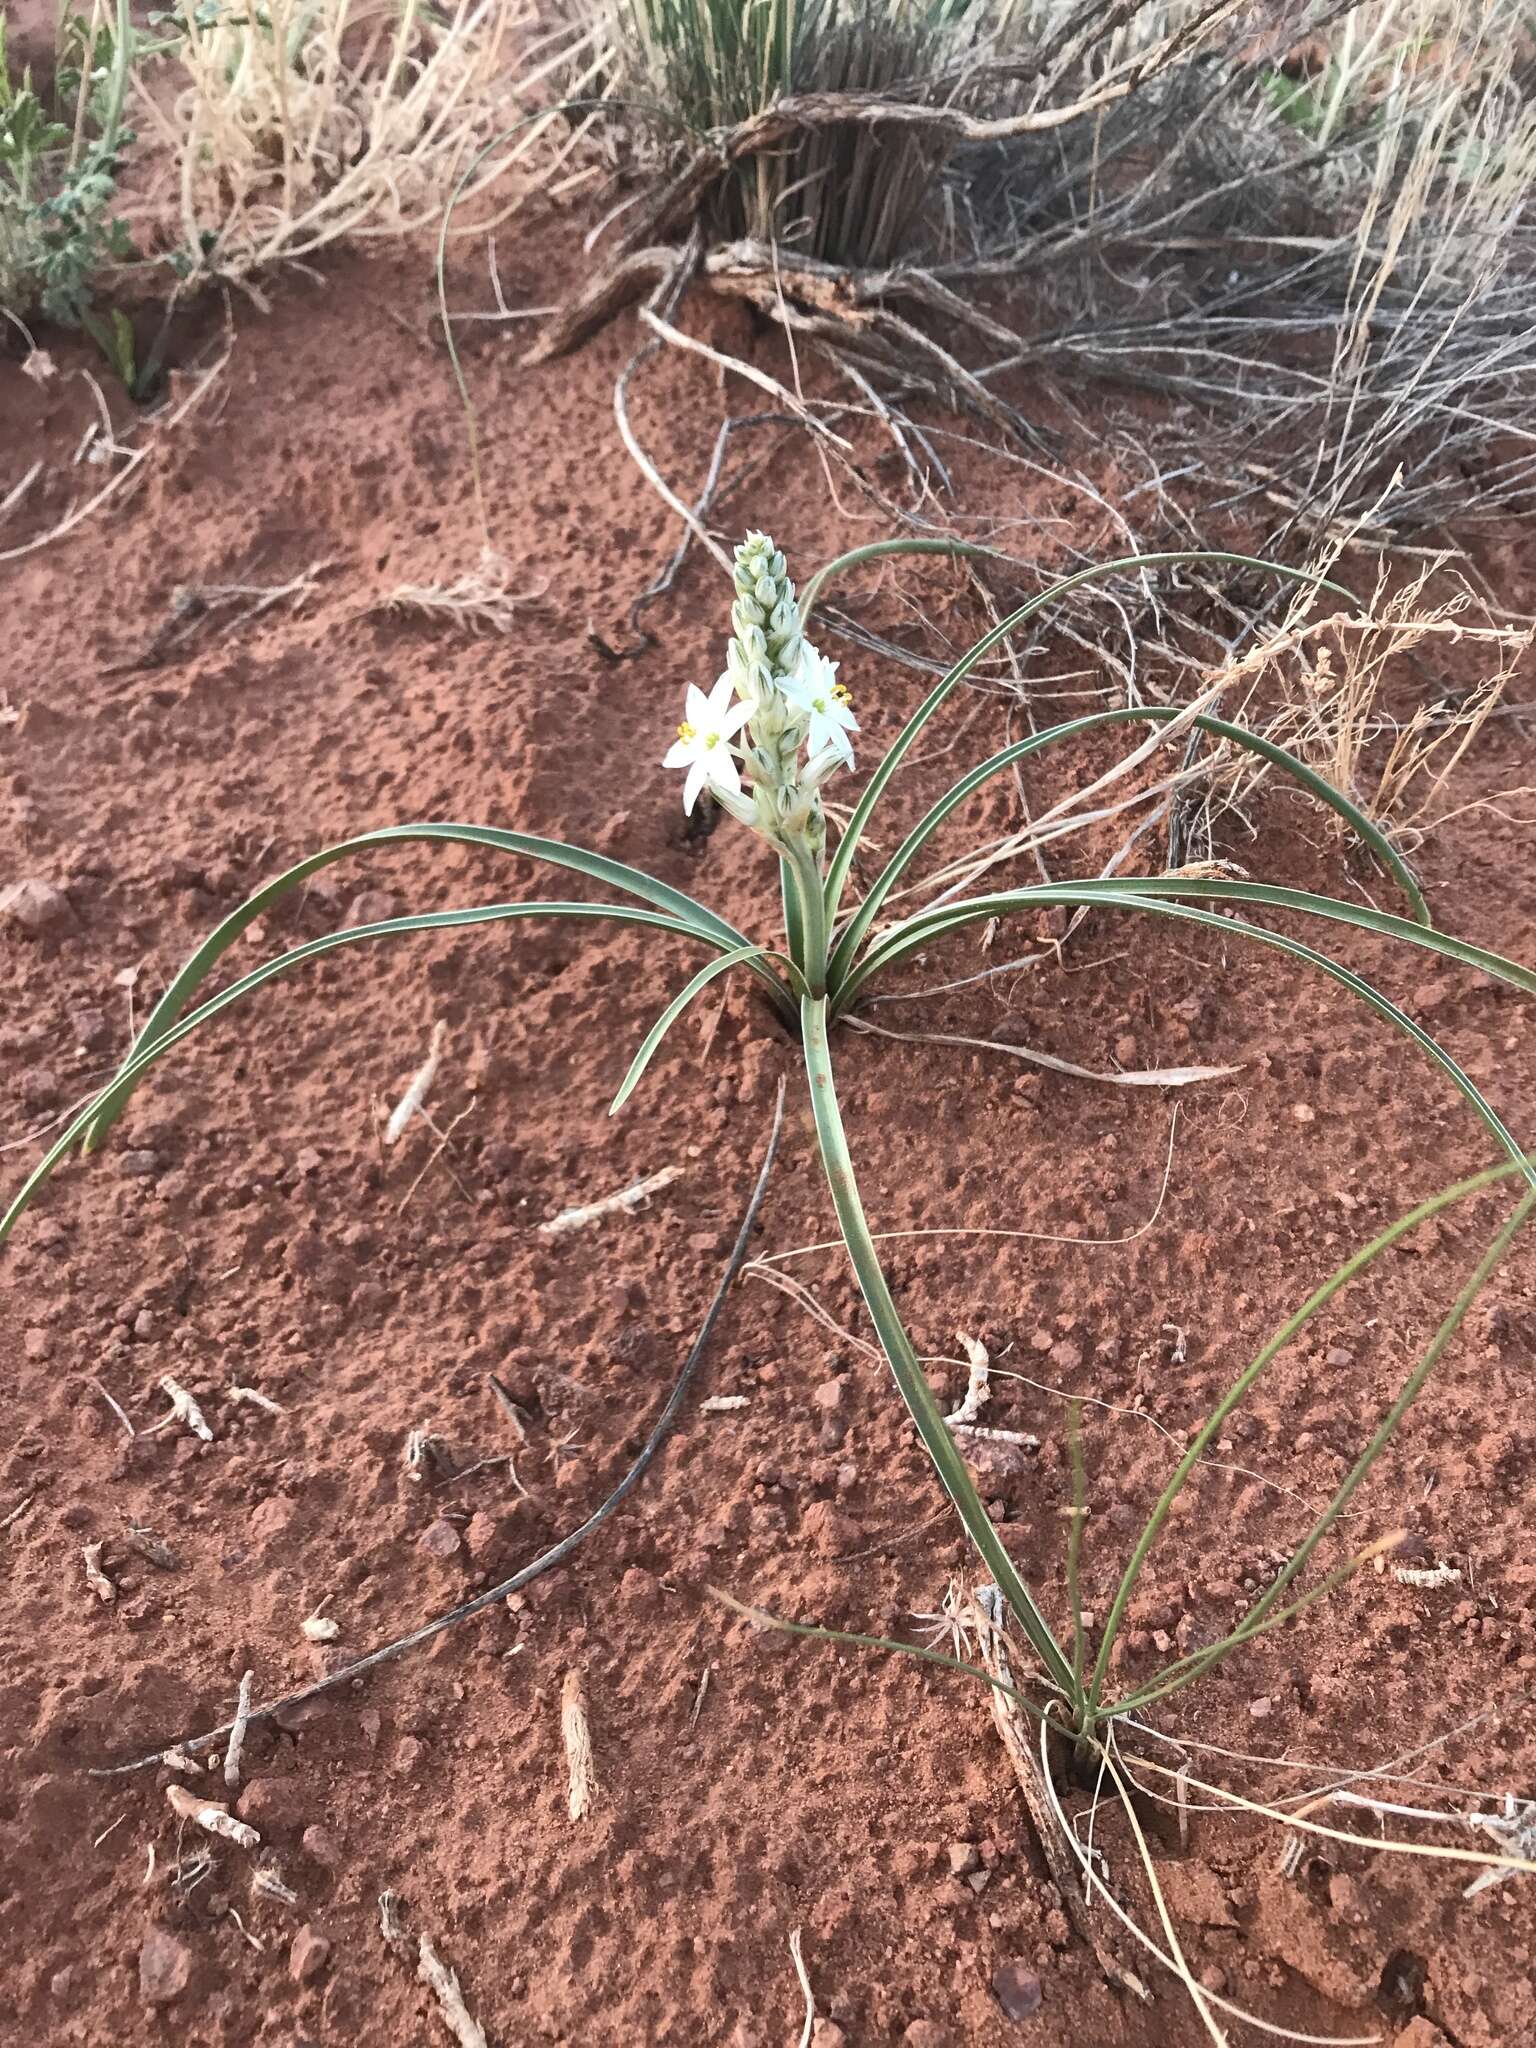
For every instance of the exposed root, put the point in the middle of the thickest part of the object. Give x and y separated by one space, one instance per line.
1086 1917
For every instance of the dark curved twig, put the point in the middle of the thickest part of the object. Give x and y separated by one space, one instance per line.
195 1745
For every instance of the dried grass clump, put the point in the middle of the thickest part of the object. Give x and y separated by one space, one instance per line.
1346 694
844 193
1308 230
294 126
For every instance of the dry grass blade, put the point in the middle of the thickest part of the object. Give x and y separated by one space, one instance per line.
577 1735
481 600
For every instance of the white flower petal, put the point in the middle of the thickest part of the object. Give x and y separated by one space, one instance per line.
697 777
721 770
678 755
697 711
719 698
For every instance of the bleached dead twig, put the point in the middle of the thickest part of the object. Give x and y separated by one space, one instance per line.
1428 1577
319 1627
423 1453
236 1742
421 1081
267 1881
184 1408
798 1957
392 1921
252 1397
978 1391
444 1984
724 1404
95 1577
209 1814
626 1198
113 1405
578 1746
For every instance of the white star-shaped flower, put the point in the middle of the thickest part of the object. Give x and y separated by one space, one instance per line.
703 743
818 696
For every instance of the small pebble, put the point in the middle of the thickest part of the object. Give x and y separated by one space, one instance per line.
308 1954
1017 1990
442 1540
165 1967
36 907
321 1846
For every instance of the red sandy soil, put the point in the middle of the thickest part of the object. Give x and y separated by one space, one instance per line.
245 1227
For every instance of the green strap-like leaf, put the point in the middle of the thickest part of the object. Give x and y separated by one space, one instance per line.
596 867
1094 892
1287 1333
669 1016
1262 1614
139 1063
1154 714
842 861
909 1374
920 930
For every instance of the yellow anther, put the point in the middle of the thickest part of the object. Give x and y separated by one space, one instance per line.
842 693
685 732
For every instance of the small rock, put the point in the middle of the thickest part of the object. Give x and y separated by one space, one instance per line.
1303 1113
321 1846
373 906
165 1967
483 1534
303 1714
144 1325
828 1396
827 1530
307 1161
1348 1900
141 1165
36 907
1262 1707
308 1954
964 1857
1421 2033
273 1802
37 1086
1017 1990
927 2034
441 1540
1339 1358
37 1343
828 2034
91 1030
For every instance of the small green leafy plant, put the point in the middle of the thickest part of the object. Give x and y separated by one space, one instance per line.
58 180
764 742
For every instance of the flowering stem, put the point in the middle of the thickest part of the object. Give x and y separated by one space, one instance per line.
808 926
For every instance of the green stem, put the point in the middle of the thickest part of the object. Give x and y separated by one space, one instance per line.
122 58
801 873
909 1374
1240 1388
1075 1546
